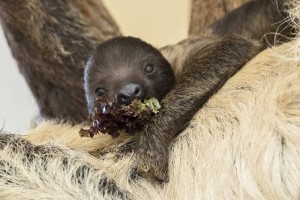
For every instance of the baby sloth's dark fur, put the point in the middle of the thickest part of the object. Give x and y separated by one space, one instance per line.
232 42
123 60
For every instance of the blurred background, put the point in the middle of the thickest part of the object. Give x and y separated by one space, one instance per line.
157 22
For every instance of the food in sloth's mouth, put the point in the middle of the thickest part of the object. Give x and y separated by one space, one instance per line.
111 117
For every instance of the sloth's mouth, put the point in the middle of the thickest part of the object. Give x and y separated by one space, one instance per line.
110 117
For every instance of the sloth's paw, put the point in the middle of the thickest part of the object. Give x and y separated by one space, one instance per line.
152 158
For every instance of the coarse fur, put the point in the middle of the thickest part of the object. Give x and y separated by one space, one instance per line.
242 144
210 61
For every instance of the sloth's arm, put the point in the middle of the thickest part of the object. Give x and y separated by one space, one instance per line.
206 71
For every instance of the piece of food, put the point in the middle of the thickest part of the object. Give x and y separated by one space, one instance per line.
111 118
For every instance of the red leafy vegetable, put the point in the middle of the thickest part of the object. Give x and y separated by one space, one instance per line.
110 117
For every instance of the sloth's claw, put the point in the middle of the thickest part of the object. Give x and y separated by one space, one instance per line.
152 156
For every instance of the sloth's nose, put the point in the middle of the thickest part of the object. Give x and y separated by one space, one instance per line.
130 92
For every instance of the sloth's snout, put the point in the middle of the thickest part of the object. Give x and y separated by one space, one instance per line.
130 92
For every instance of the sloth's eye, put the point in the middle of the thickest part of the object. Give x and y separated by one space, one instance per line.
100 92
149 68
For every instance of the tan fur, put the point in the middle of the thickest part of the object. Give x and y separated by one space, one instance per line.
65 134
243 144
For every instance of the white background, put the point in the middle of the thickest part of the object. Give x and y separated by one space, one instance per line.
157 22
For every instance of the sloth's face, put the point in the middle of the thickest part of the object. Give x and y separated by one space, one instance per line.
125 69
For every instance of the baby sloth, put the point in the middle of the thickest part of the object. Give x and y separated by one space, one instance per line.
127 68
124 69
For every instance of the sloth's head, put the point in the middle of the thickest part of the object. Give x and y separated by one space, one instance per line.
124 69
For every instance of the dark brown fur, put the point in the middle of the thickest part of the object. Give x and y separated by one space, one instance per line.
122 60
209 64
